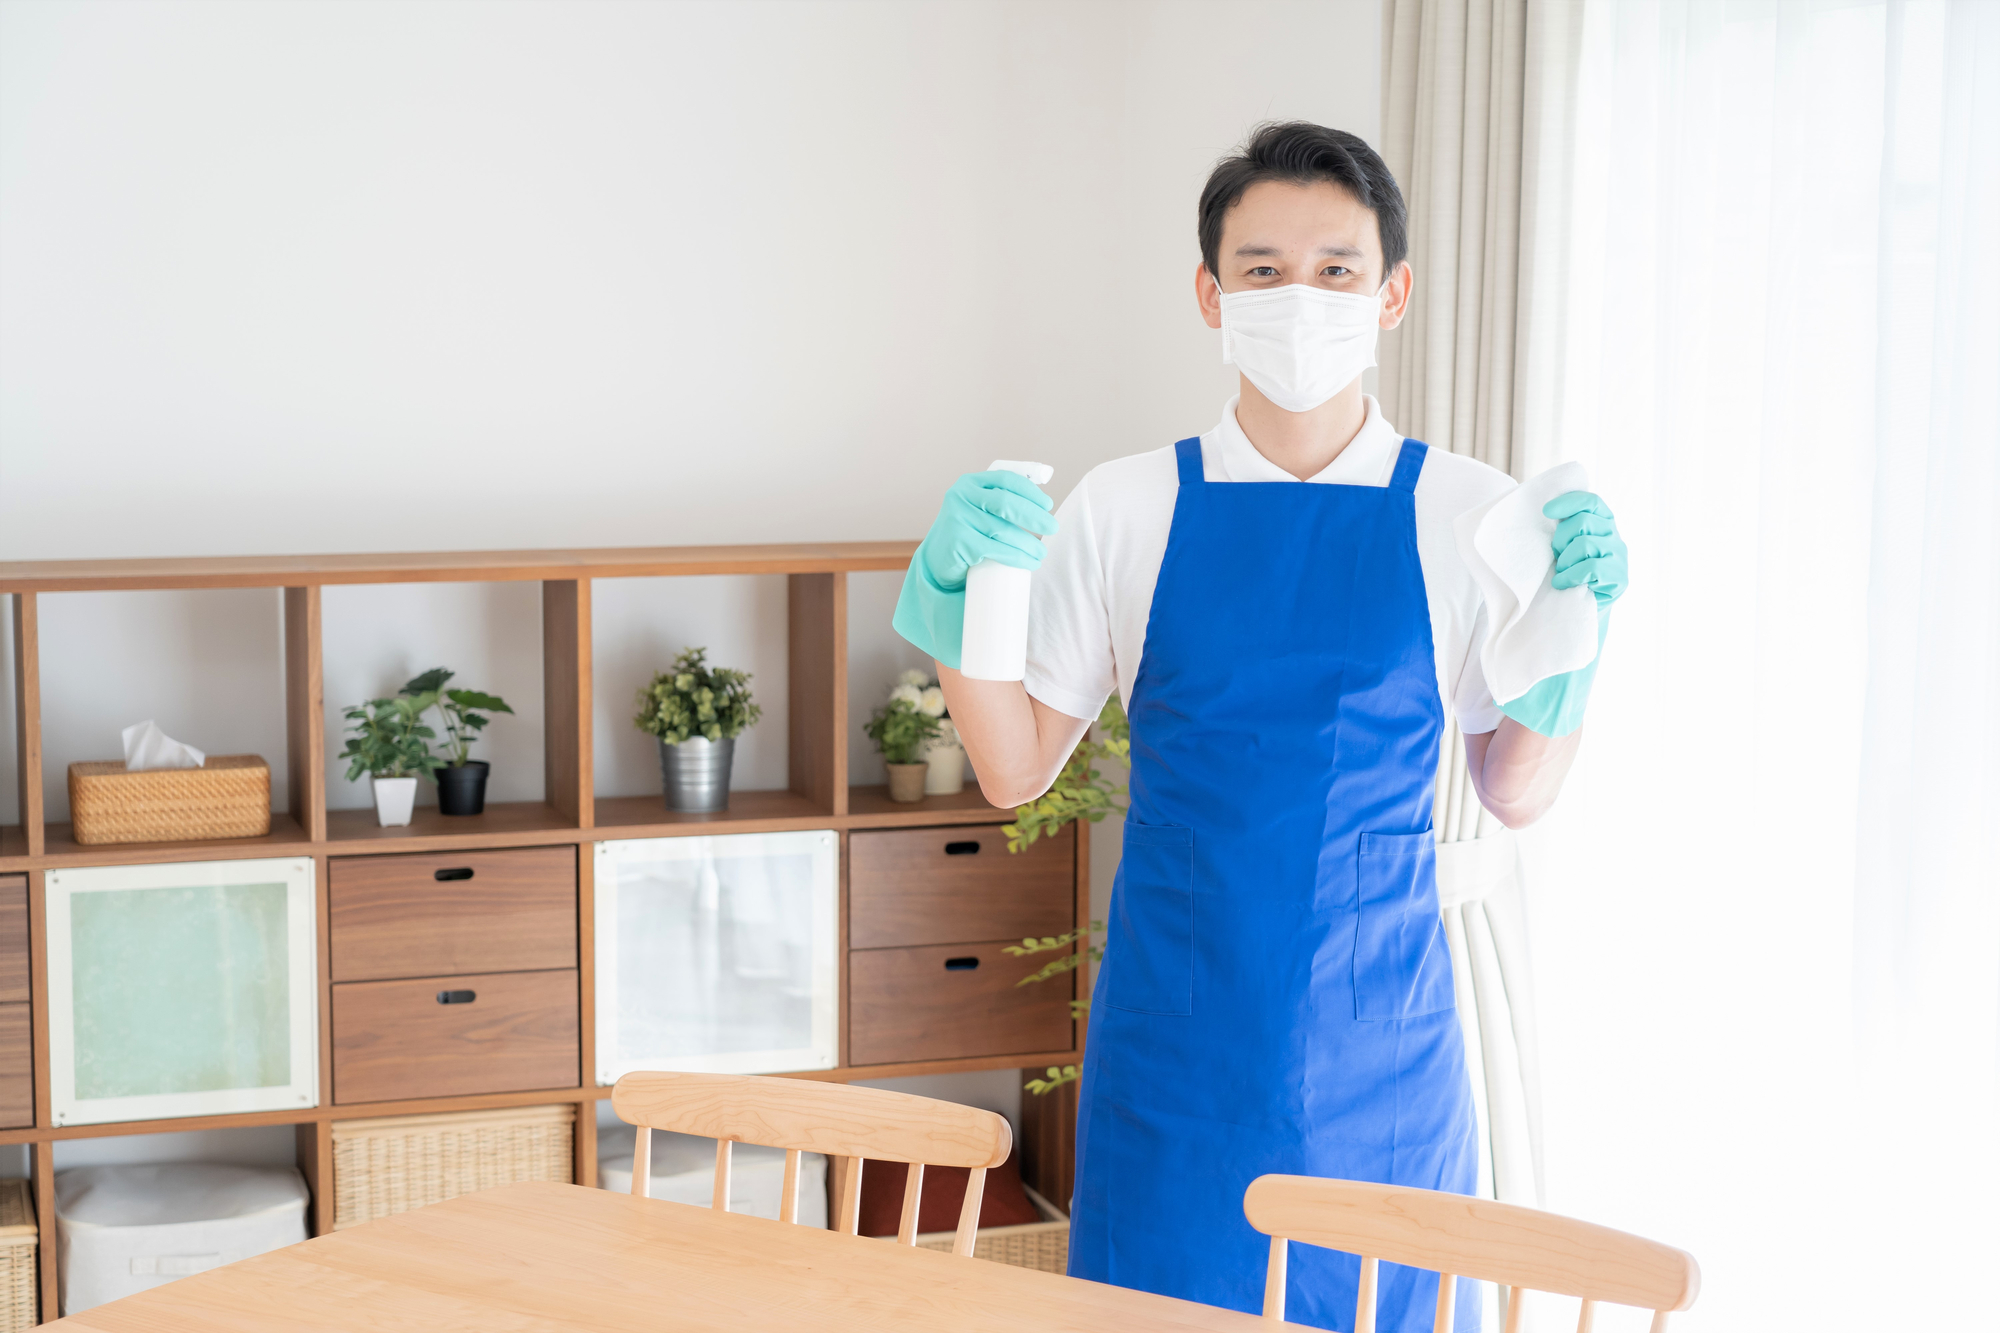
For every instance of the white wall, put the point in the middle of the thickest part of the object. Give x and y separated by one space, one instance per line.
321 277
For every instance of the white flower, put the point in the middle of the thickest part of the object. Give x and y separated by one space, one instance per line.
915 677
947 733
907 694
932 702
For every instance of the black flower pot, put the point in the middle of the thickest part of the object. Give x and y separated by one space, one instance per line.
462 788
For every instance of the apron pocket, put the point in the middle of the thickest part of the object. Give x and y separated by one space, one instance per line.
1150 950
1401 967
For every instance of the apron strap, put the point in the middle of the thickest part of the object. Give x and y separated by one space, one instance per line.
1409 464
1188 454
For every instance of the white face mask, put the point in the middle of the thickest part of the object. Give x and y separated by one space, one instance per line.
1299 345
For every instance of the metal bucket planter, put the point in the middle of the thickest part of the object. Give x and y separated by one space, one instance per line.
695 774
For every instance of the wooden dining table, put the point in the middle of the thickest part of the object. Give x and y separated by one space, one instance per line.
545 1256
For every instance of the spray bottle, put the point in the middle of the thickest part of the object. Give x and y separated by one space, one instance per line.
995 646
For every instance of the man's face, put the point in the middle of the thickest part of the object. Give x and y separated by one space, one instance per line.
1319 235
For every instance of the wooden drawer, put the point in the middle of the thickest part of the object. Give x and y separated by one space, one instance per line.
452 912
13 939
927 1004
398 1039
17 1067
937 885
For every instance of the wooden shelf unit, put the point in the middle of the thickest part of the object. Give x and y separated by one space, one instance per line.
818 794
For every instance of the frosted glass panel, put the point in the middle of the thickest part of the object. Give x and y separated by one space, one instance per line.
181 989
716 953
175 990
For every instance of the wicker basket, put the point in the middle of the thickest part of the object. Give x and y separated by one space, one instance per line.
396 1163
227 797
18 1279
1041 1245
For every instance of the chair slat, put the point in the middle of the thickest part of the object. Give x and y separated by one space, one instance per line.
788 1203
968 1213
1447 1303
1364 1300
1659 1322
1515 1305
642 1162
720 1200
1274 1280
848 1219
1586 1317
913 1190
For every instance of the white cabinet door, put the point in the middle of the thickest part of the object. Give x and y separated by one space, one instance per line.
717 954
179 990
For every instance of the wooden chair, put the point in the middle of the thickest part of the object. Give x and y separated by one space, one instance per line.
1453 1235
801 1116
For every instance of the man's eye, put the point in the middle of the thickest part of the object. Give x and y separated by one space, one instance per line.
1263 271
1333 271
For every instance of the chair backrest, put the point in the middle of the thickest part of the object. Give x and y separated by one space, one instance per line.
803 1115
1456 1236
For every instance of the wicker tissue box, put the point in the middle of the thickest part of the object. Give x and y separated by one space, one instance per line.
391 1164
18 1278
227 797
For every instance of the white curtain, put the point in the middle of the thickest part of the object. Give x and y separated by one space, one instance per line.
1767 916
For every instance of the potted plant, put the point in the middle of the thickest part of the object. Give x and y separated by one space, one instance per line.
696 712
461 779
942 753
391 745
900 729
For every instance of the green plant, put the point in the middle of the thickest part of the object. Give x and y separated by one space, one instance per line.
695 699
899 730
1080 791
455 708
390 739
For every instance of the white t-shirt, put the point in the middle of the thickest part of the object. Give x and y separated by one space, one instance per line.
1094 590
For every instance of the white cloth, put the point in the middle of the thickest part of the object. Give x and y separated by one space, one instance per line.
147 748
1094 591
1534 630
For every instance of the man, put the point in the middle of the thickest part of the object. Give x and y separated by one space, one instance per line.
1282 604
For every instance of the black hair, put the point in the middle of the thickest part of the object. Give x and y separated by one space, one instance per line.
1302 153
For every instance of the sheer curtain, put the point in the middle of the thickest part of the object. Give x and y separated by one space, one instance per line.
1767 909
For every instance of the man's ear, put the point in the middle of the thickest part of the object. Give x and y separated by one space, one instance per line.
1207 295
1396 295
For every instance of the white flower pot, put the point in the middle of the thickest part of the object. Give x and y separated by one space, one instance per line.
947 770
395 798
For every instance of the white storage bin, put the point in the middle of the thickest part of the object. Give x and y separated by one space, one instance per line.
718 955
123 1229
684 1171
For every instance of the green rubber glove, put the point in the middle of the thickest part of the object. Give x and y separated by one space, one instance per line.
1589 553
986 516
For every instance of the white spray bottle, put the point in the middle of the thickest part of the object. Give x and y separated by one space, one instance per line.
995 646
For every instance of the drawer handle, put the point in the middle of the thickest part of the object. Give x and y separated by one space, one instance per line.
460 872
961 849
960 964
457 996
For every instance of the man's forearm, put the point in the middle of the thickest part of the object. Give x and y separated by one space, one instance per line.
1017 744
1517 772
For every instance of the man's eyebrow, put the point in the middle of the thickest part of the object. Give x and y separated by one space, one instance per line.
1342 251
1270 251
1257 251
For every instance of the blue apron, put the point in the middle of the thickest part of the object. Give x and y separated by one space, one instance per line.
1276 994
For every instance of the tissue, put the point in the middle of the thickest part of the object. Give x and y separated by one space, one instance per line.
1533 630
147 747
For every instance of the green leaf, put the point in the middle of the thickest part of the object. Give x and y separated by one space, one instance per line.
428 683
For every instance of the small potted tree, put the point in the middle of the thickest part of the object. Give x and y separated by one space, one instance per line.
391 745
461 779
696 712
944 753
900 729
